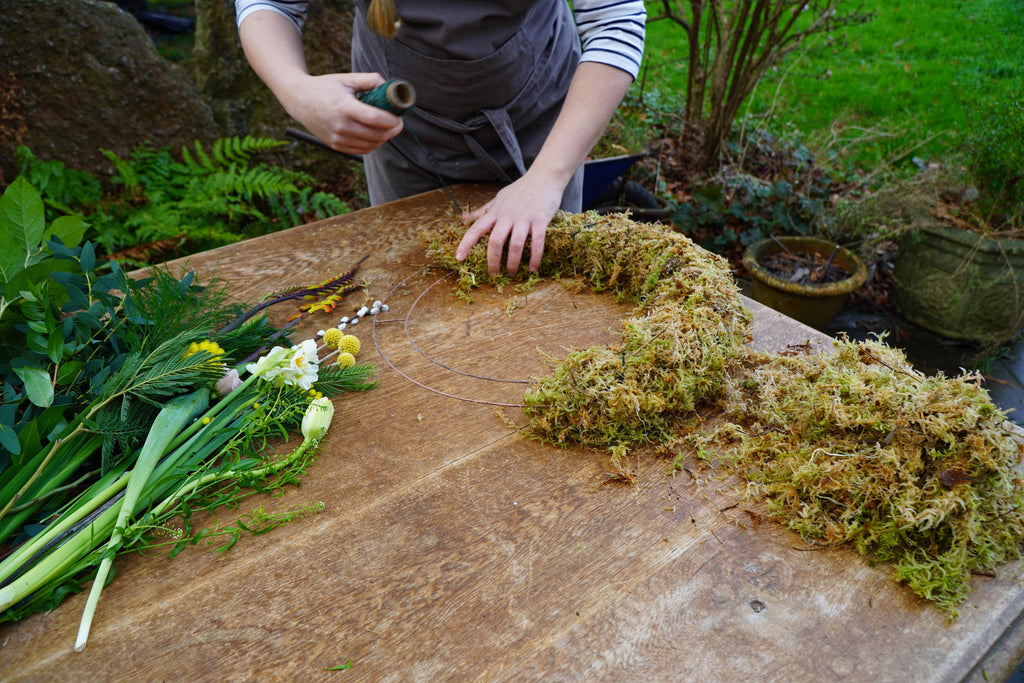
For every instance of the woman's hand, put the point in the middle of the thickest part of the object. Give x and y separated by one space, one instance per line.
518 212
328 107
525 208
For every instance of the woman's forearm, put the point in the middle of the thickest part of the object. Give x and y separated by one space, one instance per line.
594 94
326 105
273 48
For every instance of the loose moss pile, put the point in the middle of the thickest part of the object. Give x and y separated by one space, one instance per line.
852 447
859 447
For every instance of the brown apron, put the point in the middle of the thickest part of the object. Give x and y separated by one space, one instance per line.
490 79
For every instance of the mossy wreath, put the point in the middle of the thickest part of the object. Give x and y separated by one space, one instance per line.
688 328
854 446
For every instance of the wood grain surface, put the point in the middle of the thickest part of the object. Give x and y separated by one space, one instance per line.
454 547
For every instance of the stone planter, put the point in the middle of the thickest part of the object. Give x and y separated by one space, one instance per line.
961 285
811 304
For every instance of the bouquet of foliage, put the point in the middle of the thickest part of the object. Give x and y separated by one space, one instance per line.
129 403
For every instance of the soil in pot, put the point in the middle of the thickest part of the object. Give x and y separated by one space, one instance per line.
805 278
804 267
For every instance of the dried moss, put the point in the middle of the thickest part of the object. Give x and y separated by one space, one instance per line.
848 447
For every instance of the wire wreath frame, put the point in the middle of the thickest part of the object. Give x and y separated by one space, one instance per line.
408 335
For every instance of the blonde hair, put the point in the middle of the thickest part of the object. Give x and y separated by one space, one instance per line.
382 17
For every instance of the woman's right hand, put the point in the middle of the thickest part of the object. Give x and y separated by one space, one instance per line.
328 107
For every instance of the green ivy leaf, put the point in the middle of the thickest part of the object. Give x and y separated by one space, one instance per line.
37 385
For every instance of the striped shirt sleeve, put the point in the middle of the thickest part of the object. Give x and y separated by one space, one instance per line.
612 32
293 10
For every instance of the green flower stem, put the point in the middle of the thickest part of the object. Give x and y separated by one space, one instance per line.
215 477
55 446
14 514
91 500
81 541
42 497
55 564
242 399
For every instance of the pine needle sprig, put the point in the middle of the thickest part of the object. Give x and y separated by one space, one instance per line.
335 379
162 306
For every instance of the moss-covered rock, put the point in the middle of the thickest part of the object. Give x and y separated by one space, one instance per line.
84 77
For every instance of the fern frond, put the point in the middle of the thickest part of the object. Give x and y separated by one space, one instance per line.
202 160
241 149
325 205
257 182
227 152
125 172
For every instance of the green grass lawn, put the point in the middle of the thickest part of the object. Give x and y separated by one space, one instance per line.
896 87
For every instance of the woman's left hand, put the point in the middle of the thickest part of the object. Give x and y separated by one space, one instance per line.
525 208
518 212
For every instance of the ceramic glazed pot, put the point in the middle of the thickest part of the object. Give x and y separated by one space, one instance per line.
961 285
811 304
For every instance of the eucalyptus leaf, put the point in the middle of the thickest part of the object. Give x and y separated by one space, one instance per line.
88 257
68 372
70 230
38 386
55 347
9 440
25 280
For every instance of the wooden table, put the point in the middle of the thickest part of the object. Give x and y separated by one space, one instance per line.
453 547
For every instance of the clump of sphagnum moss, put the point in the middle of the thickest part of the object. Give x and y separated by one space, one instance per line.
852 447
858 447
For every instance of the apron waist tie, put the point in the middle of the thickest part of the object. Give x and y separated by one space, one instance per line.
501 122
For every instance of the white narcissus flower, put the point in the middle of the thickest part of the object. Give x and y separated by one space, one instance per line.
298 366
317 418
304 365
271 365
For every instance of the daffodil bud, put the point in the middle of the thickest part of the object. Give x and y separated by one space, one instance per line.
317 418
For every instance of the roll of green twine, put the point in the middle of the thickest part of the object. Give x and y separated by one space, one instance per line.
396 96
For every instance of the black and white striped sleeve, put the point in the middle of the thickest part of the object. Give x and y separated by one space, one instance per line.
293 10
612 32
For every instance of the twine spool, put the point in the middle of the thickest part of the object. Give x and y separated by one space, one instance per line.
396 96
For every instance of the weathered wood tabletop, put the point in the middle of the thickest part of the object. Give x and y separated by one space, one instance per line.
454 547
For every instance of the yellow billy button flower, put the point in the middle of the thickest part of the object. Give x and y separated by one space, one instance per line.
317 419
349 343
345 360
332 337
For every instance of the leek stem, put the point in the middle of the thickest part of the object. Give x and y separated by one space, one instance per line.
169 422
